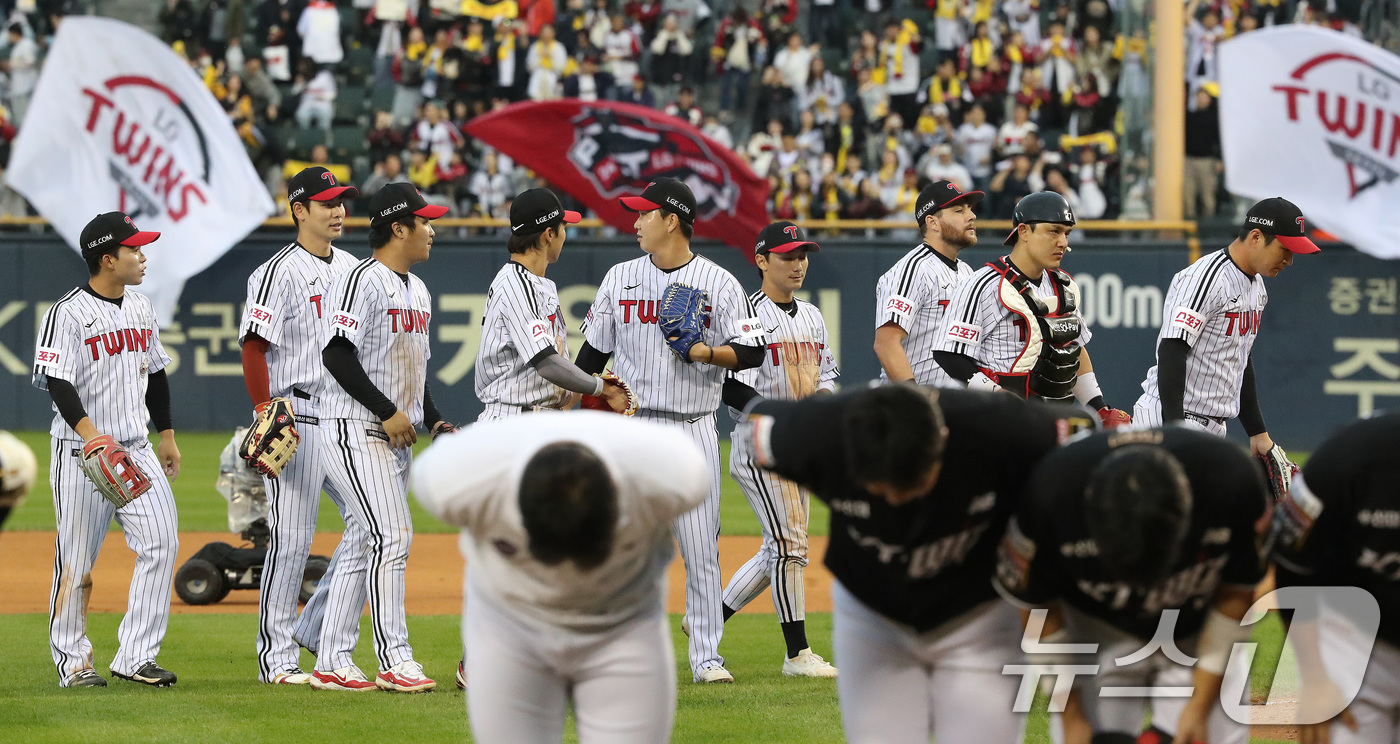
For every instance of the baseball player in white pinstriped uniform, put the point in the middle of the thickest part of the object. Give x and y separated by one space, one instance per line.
100 358
1015 324
282 332
566 526
911 296
377 349
523 362
797 363
1204 374
685 393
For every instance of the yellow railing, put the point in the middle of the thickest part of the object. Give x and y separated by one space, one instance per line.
1133 226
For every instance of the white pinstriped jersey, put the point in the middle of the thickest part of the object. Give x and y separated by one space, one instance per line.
386 315
913 295
796 361
622 322
106 351
1215 308
978 325
288 301
522 319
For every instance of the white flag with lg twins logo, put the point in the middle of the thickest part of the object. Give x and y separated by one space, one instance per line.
121 122
1313 115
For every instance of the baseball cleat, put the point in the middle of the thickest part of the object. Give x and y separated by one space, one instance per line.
715 675
292 676
405 676
808 664
150 673
86 678
462 674
347 679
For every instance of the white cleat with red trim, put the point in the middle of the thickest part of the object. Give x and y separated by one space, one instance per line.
405 676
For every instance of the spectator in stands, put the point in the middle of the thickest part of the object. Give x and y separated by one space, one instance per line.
850 177
1023 16
475 63
789 158
387 171
670 57
317 104
824 24
1097 14
810 140
689 14
438 75
639 93
1009 185
794 202
422 170
945 88
892 138
717 131
979 52
1203 165
490 186
739 46
948 31
178 22
685 109
1097 57
1203 37
823 93
1057 54
874 97
774 100
764 146
1055 181
934 127
830 200
1033 95
434 134
866 56
846 137
546 61
384 138
23 66
267 99
901 202
588 84
233 55
452 182
277 56
319 29
866 205
1013 132
1090 178
645 14
283 14
213 27
1042 159
974 142
900 52
621 51
778 19
408 76
794 61
510 60
941 166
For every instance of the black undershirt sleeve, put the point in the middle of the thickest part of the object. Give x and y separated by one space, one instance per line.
1171 378
158 400
748 356
958 366
1251 418
65 396
340 360
736 394
430 411
591 360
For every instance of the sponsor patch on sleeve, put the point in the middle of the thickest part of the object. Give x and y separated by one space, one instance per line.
258 314
539 329
346 324
1188 320
1014 557
45 356
750 328
898 306
964 333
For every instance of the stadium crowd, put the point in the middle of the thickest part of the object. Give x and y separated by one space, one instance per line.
847 107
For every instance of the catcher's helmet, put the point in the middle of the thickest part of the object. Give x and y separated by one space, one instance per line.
1042 206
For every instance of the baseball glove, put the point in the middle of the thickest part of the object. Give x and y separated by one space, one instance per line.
1113 418
442 427
683 317
597 403
272 440
17 471
1280 470
112 470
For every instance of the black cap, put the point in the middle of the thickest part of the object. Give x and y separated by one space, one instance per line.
317 184
1041 206
537 210
939 195
397 200
1282 219
782 237
108 230
665 193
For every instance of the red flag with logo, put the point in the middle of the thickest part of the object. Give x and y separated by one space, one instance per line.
601 150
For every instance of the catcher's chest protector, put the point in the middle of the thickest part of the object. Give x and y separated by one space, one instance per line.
1049 361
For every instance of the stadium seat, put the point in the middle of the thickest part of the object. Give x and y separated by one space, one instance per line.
347 142
359 64
382 98
305 139
350 105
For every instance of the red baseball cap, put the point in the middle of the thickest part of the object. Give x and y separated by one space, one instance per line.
664 193
110 229
782 237
317 184
1282 219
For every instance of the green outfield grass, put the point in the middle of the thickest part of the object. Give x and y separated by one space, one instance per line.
218 698
202 509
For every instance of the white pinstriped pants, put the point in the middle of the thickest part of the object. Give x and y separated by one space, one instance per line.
151 531
373 477
782 509
293 500
1147 413
697 532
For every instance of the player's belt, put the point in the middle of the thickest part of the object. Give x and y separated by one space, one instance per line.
1203 420
304 419
129 444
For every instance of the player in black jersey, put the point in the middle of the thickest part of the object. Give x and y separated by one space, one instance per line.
1145 543
1348 494
918 503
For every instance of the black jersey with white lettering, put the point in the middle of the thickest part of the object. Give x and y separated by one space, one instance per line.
928 561
1048 552
1354 479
